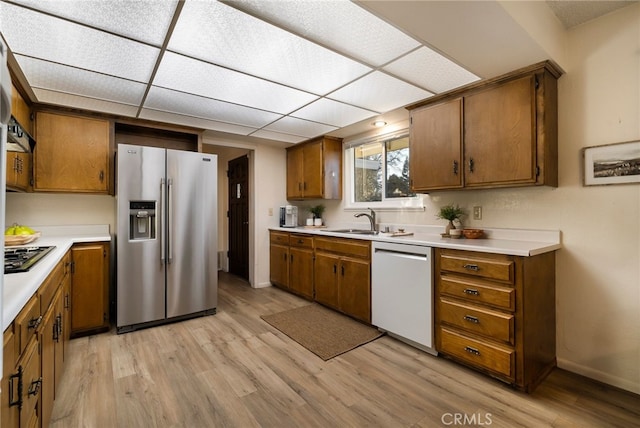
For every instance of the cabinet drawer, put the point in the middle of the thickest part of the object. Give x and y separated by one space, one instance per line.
477 292
281 238
302 241
48 288
27 323
500 269
350 247
475 319
481 354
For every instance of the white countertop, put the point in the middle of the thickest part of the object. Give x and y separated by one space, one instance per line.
19 287
515 242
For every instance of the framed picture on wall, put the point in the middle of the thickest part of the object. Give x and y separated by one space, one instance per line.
612 164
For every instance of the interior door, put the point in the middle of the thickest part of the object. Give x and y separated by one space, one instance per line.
239 217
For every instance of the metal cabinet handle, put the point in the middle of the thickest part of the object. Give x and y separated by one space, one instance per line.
101 176
34 387
66 301
18 376
471 165
471 319
34 323
455 167
471 350
474 268
471 291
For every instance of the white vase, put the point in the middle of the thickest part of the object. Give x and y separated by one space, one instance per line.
317 222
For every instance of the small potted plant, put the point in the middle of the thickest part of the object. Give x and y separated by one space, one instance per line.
451 213
317 211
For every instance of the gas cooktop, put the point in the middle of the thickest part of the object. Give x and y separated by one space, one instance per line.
21 259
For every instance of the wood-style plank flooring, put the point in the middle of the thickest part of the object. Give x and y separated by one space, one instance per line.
234 370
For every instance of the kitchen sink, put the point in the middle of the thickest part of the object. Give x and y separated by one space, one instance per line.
354 231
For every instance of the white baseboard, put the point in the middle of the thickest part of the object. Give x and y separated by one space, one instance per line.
263 285
600 376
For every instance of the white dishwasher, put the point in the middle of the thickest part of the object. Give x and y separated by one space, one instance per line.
402 292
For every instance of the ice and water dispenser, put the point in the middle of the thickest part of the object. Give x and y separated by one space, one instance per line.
142 220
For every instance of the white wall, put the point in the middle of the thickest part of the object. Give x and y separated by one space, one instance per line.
598 268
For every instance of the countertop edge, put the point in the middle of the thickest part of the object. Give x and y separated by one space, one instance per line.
18 288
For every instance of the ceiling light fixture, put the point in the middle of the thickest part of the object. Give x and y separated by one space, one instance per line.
379 123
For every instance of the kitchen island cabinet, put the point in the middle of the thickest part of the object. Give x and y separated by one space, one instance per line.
496 133
72 154
89 288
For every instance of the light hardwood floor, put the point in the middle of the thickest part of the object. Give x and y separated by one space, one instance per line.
234 370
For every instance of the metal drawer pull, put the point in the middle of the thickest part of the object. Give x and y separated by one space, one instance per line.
471 291
471 319
34 387
471 350
34 323
475 268
18 376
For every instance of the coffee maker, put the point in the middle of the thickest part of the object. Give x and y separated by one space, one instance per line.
288 216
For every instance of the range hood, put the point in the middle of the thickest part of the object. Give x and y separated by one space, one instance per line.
17 139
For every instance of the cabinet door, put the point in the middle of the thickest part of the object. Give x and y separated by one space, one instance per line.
9 413
279 265
72 154
435 144
295 179
47 332
500 136
325 279
32 382
58 337
20 110
313 172
355 288
89 287
12 169
66 318
23 173
301 271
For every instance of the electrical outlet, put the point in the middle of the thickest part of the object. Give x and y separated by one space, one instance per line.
477 213
270 211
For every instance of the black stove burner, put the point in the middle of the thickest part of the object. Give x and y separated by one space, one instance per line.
21 259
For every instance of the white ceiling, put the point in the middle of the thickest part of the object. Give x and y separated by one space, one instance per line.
282 70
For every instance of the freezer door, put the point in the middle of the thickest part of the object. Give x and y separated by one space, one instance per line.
192 270
140 268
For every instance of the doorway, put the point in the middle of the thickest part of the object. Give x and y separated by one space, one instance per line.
238 174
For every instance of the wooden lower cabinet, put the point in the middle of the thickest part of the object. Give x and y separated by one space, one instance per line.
89 288
496 313
291 262
33 353
342 276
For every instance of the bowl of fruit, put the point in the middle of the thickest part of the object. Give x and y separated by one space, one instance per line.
18 234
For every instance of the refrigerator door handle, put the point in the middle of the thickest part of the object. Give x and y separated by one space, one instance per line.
163 228
170 220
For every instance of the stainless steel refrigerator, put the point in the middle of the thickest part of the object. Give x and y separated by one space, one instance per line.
166 236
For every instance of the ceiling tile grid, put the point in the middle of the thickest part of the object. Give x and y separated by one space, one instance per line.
284 70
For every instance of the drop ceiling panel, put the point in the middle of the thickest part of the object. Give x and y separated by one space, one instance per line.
379 92
207 108
196 122
75 101
222 35
271 135
125 17
333 113
61 78
304 128
196 77
340 24
428 69
41 36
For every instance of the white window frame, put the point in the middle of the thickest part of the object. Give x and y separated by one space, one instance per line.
413 203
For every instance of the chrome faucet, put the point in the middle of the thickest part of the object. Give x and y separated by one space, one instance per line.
371 217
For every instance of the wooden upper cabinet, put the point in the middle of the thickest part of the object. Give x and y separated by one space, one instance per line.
500 132
21 110
435 144
18 169
314 169
72 154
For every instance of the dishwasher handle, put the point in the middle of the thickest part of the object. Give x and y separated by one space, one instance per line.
395 253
